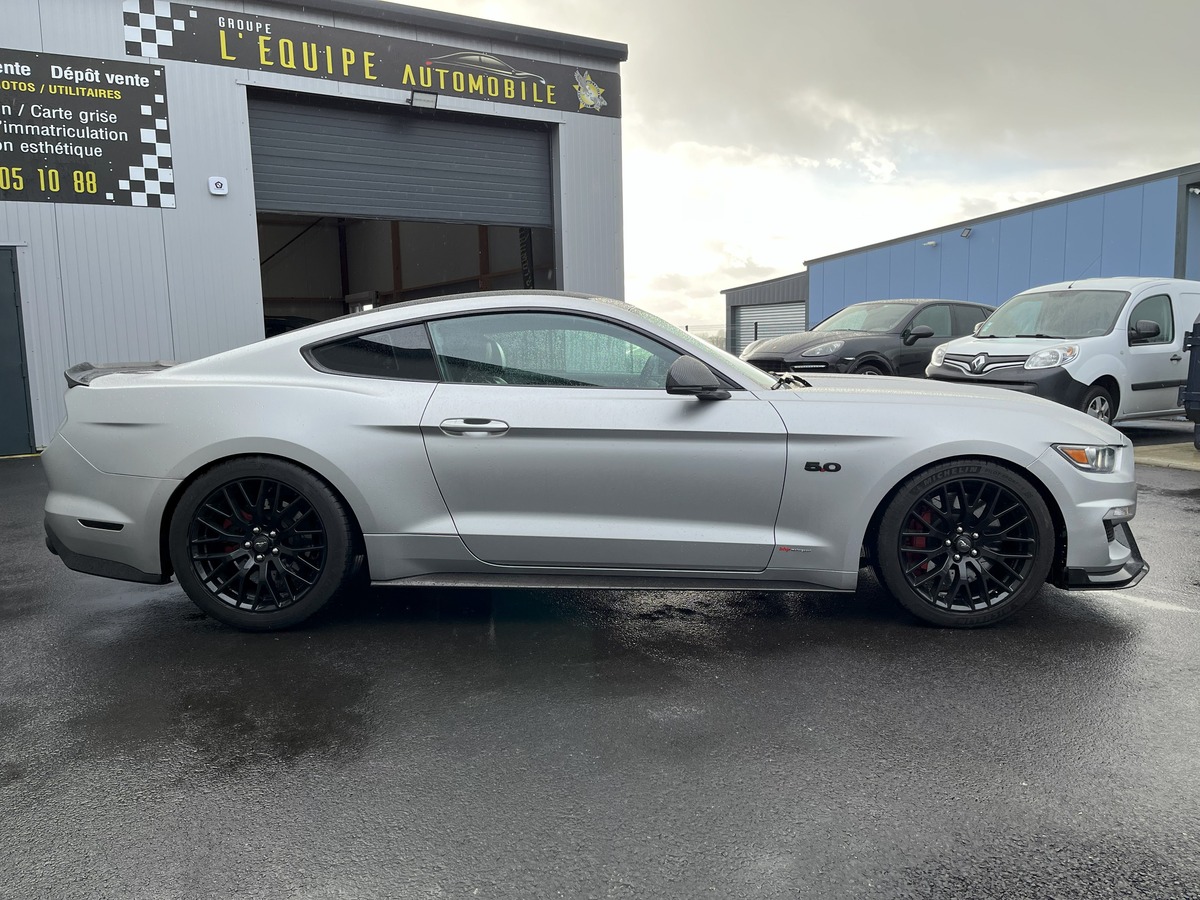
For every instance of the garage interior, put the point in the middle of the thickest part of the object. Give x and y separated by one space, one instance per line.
361 205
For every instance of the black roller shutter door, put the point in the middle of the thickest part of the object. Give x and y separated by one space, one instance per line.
377 162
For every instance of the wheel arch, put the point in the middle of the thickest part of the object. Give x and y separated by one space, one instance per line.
872 358
871 536
164 528
1113 386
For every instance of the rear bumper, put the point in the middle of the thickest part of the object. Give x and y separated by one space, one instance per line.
1109 578
94 565
104 524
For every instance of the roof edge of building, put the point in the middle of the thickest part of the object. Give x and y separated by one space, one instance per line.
428 18
742 287
1192 169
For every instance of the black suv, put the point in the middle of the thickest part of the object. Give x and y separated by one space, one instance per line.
880 337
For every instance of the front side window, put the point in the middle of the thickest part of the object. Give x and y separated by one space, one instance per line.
936 317
395 353
1156 309
548 349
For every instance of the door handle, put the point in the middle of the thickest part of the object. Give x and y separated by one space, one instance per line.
1176 358
473 427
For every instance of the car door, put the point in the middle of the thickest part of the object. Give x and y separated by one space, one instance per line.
554 443
1156 365
911 359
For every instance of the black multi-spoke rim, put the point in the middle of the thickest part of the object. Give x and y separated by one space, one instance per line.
967 545
257 544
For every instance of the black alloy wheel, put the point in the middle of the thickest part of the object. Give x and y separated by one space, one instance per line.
965 543
260 543
869 369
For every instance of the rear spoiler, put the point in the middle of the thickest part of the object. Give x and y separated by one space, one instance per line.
85 373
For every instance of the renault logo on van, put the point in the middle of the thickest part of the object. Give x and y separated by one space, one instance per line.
979 363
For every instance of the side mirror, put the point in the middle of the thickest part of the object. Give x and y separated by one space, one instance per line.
921 331
975 329
1144 330
690 376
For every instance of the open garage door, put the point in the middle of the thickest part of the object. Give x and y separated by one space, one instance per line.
369 161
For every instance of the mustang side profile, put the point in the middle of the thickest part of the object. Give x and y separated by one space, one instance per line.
552 439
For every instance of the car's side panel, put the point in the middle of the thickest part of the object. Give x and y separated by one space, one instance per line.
845 454
628 479
359 434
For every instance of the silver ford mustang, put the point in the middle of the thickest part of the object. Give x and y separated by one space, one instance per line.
550 439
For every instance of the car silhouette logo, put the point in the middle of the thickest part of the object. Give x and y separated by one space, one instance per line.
979 363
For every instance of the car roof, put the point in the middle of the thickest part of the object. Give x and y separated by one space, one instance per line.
913 301
1114 283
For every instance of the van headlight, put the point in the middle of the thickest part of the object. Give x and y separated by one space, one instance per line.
826 349
939 355
1052 357
1090 458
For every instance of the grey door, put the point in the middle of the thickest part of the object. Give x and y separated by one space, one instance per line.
16 431
554 443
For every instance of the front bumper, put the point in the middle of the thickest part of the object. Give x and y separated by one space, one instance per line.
1109 578
777 365
1053 384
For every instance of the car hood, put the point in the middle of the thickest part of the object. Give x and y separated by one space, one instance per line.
1003 346
954 401
793 343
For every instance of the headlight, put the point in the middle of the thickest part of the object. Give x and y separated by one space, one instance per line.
1089 458
826 349
939 355
1052 357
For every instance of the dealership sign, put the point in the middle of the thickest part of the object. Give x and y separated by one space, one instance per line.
81 130
159 29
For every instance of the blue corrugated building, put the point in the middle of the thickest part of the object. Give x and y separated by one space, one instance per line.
1145 226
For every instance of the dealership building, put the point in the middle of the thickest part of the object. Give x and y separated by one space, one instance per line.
175 178
1145 226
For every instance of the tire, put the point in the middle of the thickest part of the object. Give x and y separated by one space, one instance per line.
260 544
1098 403
965 543
869 369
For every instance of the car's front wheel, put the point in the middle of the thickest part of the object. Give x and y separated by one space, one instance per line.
1098 403
260 543
965 543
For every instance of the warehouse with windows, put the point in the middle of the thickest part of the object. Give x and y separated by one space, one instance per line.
178 179
1145 226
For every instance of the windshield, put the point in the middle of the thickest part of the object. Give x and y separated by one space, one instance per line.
1056 314
752 374
876 317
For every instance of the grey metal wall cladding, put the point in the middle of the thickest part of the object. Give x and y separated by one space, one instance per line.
751 323
370 163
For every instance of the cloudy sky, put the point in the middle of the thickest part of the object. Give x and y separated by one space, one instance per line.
761 133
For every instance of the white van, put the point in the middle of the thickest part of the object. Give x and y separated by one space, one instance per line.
1112 347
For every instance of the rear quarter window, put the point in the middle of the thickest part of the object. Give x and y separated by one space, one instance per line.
402 353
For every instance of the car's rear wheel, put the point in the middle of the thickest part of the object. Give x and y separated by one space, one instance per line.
965 543
260 543
1098 403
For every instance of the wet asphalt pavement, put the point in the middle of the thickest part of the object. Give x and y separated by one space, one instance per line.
513 744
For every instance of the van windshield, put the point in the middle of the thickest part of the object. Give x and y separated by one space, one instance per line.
1056 314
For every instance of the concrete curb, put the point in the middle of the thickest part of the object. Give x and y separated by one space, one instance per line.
1169 456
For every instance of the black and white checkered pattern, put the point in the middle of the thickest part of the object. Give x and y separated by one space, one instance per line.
153 182
149 25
